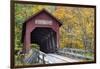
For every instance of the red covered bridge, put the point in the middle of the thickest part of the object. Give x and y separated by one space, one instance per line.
43 29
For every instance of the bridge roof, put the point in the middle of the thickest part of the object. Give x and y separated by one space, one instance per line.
46 12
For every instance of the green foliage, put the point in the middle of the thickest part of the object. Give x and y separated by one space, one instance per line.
35 46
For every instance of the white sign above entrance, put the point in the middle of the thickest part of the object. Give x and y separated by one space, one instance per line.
43 22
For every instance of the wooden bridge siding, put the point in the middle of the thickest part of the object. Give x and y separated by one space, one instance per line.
30 26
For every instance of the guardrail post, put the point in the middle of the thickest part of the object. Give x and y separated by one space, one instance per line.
43 59
38 57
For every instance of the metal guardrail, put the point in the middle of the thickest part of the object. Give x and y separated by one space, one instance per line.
31 57
75 53
34 56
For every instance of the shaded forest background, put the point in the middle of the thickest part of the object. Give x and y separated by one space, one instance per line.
77 30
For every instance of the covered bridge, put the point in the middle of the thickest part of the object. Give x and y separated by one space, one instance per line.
43 29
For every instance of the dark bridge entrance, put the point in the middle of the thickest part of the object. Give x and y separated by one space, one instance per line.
43 29
46 38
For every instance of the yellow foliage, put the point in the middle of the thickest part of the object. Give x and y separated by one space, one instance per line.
71 43
80 21
60 13
87 11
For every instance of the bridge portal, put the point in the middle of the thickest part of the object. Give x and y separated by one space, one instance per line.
42 28
45 38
